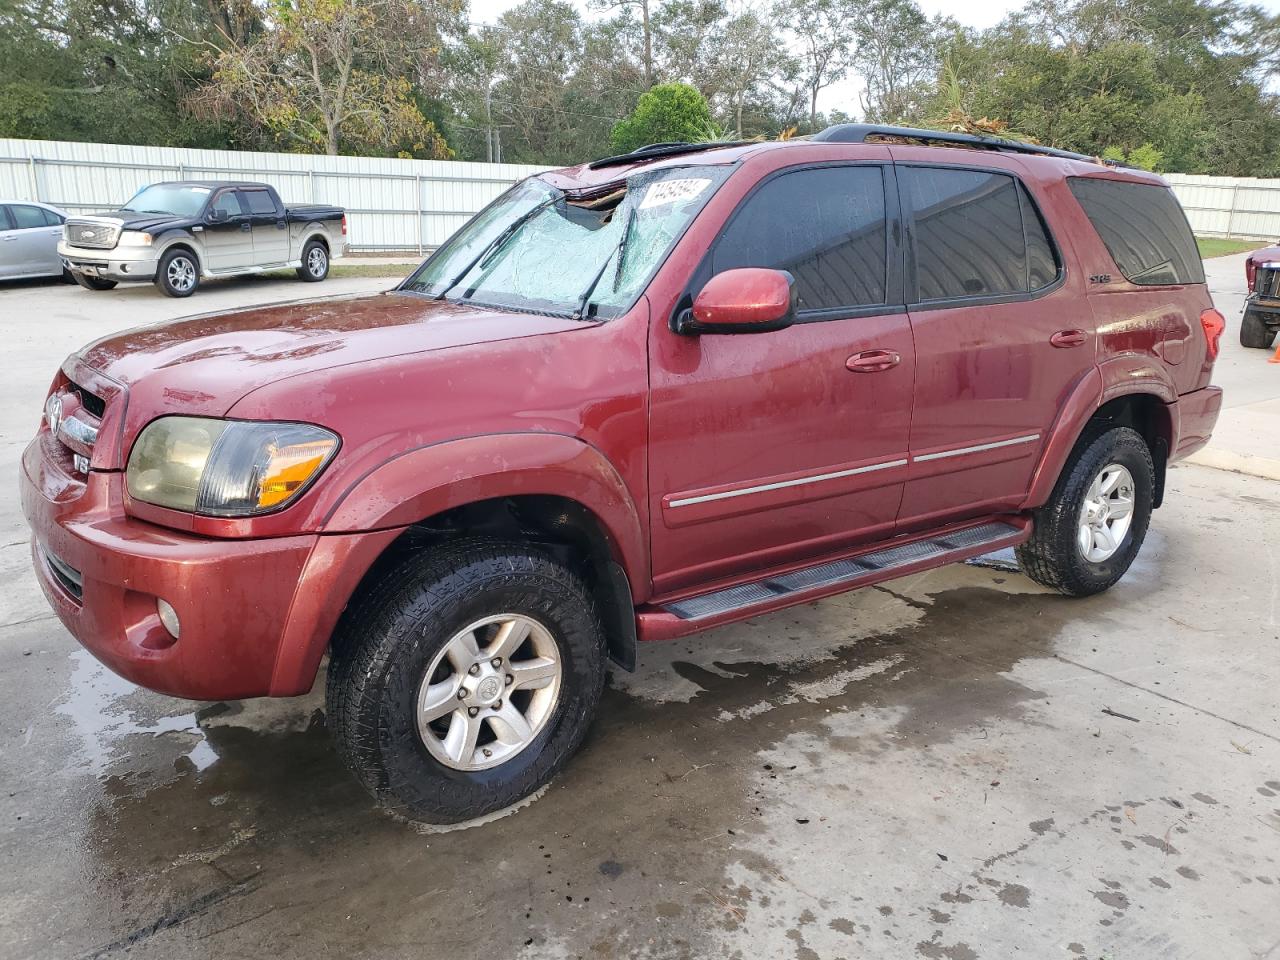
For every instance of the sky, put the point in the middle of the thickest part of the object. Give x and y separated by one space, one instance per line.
844 95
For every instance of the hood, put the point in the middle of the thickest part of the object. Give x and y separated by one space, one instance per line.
202 365
131 220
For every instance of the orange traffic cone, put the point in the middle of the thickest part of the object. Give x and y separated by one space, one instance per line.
1276 358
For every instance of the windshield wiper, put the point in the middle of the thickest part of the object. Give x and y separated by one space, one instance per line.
495 246
584 302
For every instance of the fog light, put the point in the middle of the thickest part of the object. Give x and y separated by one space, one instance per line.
168 616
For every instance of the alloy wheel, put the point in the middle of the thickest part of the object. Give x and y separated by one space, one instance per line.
1106 514
489 692
181 274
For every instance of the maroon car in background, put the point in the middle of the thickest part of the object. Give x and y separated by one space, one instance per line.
629 401
1262 307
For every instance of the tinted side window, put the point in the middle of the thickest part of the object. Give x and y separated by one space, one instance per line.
1144 229
968 233
6 221
26 217
1042 262
227 203
260 201
825 225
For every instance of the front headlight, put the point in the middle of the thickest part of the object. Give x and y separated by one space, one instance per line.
226 468
135 238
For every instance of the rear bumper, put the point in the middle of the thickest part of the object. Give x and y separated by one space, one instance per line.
255 615
1196 414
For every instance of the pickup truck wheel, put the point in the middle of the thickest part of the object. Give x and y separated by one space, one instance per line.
93 283
1254 332
1092 528
465 679
178 273
315 262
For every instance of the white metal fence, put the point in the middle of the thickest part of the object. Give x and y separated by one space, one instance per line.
1242 207
410 205
414 205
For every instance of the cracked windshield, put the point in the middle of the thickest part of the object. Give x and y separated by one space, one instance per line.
542 249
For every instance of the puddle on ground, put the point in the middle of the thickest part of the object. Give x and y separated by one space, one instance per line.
656 805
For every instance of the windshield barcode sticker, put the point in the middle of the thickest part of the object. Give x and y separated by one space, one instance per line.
672 191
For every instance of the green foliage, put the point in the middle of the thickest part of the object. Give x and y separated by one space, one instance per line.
670 112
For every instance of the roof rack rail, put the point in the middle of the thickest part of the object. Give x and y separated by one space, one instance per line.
654 151
861 132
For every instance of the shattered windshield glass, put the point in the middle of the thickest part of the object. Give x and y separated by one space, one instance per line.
590 255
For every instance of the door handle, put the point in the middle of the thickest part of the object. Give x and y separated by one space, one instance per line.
1068 338
873 361
246 227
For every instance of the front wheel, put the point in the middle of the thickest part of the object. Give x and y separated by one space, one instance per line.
1254 332
1090 531
315 262
465 679
178 273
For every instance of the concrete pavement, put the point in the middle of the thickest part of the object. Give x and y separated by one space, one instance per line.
1247 437
955 765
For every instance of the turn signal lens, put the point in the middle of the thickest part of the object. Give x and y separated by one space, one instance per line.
289 468
1250 272
1214 323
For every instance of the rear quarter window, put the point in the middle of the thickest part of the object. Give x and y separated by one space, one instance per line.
1143 228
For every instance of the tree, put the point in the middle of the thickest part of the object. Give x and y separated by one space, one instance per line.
670 112
821 31
896 56
643 9
331 73
748 55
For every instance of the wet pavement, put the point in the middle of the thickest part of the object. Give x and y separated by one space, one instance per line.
953 765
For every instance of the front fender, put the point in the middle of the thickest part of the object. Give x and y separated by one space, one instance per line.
421 483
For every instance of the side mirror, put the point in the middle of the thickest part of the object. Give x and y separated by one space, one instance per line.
216 216
745 300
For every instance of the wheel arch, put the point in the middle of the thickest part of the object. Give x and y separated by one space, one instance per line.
1092 406
186 244
550 489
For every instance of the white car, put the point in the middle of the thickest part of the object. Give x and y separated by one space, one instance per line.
29 235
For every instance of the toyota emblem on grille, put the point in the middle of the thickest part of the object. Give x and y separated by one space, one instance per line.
53 413
86 234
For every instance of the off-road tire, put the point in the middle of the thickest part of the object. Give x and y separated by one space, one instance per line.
308 272
166 284
1052 556
93 283
386 640
1254 332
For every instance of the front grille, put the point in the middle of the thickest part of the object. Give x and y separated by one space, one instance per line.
91 402
93 234
1267 283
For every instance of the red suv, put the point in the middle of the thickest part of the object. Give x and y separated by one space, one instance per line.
628 401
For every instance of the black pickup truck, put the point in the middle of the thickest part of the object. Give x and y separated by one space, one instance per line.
176 233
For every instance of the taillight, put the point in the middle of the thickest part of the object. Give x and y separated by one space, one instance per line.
1250 272
1214 323
344 229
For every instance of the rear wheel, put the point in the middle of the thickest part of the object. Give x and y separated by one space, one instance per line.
93 283
465 679
178 273
1087 535
1254 332
315 262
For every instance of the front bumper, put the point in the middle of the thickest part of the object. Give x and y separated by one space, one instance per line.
119 263
255 615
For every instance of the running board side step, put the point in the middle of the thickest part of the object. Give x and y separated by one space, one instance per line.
674 618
